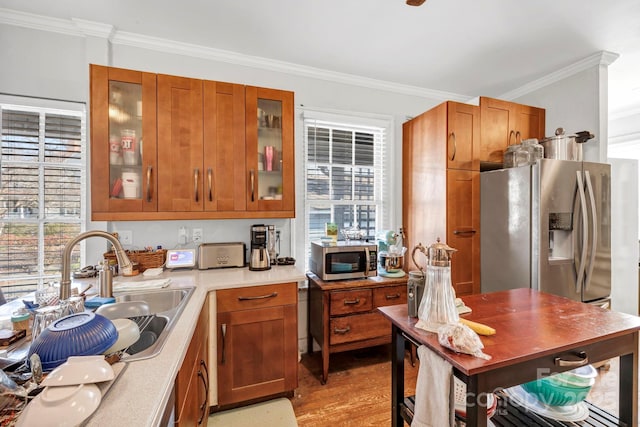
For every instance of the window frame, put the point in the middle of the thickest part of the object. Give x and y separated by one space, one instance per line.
385 184
44 107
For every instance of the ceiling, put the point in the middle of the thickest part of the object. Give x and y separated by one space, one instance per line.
466 47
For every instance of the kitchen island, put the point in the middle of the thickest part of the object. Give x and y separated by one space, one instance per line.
143 394
537 334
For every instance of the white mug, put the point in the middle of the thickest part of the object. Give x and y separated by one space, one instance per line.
130 185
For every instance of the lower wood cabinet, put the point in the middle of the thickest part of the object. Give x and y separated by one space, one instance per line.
192 383
257 342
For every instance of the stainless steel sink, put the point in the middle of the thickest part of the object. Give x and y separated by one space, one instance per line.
165 307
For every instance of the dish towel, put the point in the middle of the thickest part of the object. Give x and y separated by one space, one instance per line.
435 399
143 284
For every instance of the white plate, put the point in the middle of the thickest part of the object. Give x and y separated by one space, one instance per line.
128 334
569 413
80 370
61 406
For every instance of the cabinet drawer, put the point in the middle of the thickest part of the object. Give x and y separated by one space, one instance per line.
358 327
257 297
347 302
391 295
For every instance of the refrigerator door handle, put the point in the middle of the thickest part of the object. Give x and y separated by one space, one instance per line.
583 255
594 228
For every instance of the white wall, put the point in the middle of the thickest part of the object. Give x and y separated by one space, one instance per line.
624 211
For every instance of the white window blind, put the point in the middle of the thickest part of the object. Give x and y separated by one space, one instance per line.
42 180
346 175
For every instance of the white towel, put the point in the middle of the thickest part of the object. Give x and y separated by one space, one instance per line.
141 285
435 399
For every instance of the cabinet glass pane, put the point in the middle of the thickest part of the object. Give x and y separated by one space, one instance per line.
125 140
269 149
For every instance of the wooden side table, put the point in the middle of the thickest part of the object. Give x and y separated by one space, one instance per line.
343 314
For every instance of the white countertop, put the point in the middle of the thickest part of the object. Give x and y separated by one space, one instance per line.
140 394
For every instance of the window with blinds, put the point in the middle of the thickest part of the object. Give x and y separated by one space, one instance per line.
345 177
42 179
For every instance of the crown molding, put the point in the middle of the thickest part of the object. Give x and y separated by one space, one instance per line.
94 29
37 22
602 58
631 139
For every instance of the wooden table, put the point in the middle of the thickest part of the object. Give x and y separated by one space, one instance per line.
536 333
342 313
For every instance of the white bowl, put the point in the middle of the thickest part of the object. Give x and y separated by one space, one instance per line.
128 334
80 370
64 406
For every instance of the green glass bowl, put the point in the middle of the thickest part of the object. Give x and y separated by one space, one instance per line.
554 394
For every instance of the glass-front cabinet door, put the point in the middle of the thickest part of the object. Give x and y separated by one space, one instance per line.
123 141
270 151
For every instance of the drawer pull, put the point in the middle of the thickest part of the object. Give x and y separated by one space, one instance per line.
584 359
271 295
351 301
342 331
393 296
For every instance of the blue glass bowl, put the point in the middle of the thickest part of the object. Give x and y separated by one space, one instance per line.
79 334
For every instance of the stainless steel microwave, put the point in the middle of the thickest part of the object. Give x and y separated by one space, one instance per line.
344 260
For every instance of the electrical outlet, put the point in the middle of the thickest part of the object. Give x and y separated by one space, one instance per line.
126 237
196 235
182 235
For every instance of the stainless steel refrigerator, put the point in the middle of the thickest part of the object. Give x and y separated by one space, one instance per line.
548 226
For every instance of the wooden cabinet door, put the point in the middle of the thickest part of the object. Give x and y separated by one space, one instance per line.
496 128
463 229
180 164
257 353
122 100
270 185
463 136
530 122
224 147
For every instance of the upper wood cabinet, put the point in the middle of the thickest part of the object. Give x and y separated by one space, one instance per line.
506 123
201 149
224 148
441 187
123 114
270 152
180 144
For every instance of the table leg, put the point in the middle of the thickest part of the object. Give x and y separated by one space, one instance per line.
628 389
325 364
397 376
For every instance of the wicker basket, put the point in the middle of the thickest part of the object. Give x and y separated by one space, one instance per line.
145 259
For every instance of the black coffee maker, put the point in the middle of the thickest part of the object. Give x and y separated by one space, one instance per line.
259 255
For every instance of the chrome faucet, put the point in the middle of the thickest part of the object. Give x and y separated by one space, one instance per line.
123 260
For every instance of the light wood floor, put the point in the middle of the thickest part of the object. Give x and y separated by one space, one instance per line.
358 391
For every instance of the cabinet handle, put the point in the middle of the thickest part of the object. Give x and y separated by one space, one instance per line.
342 331
149 184
210 181
455 146
464 231
518 137
196 173
224 336
509 140
584 359
393 296
252 179
203 407
351 301
271 295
